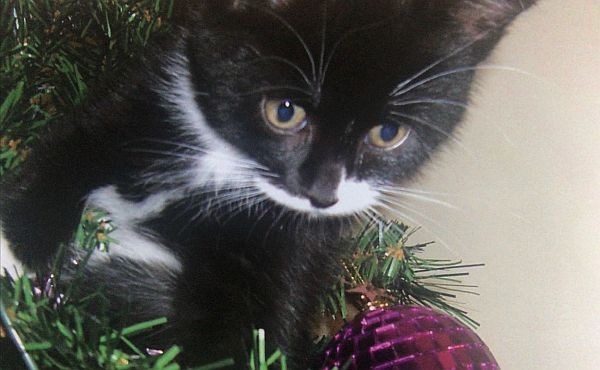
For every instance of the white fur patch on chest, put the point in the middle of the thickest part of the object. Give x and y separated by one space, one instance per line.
131 243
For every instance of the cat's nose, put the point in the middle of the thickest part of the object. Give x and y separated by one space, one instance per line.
322 200
320 177
322 193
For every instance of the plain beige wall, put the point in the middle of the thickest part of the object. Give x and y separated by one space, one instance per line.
527 189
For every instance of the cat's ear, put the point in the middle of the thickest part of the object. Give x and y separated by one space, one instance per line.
480 16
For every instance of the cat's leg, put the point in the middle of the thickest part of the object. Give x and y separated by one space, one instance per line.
290 327
297 311
216 305
41 205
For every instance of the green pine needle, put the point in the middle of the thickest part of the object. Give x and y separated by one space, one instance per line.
51 51
258 358
61 331
386 270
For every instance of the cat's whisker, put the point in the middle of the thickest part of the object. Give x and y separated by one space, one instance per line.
266 173
394 202
231 183
363 215
190 219
262 208
424 81
299 221
373 213
402 103
243 165
421 197
236 162
402 190
282 212
239 187
177 144
266 210
464 200
435 128
219 181
216 190
296 34
230 199
414 190
291 64
246 203
165 153
235 197
265 89
356 217
393 210
323 44
437 62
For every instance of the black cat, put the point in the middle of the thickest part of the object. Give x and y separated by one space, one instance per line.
239 152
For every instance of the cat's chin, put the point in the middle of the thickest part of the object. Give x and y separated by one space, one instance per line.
354 197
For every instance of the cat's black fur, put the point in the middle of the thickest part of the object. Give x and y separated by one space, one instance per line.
252 262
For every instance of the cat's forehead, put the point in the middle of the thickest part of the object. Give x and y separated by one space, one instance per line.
376 42
348 50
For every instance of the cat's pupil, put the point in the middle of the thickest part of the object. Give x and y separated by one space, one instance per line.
388 132
286 111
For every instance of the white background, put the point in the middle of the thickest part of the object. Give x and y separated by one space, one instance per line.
527 186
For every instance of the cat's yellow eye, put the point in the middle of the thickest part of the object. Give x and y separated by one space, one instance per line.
387 136
284 115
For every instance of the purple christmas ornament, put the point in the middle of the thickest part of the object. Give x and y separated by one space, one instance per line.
407 338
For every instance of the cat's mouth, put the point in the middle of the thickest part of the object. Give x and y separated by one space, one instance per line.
352 196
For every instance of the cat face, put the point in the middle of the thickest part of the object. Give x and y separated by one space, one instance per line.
328 106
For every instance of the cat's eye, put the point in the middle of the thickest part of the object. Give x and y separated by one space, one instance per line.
387 136
284 115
